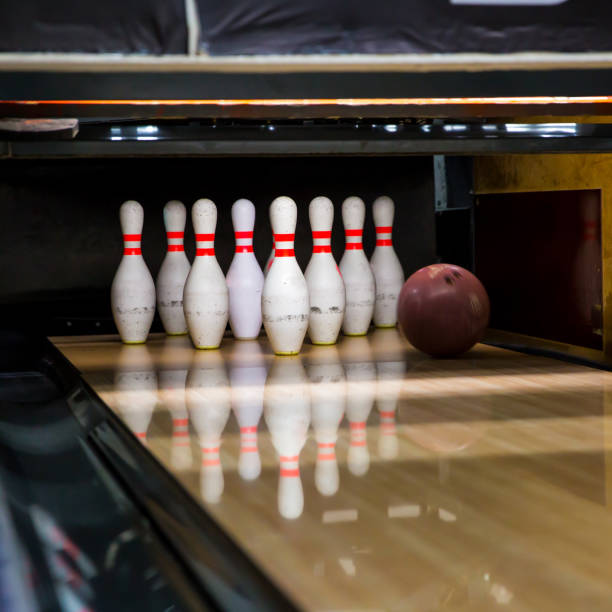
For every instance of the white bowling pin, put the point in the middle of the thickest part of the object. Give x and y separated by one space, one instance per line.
269 260
356 272
205 299
387 269
388 345
135 389
173 271
244 278
248 378
287 414
285 294
327 395
208 401
133 290
360 394
325 284
172 376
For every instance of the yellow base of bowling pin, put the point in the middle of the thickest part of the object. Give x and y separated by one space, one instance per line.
385 326
287 353
356 335
177 334
208 348
132 342
323 343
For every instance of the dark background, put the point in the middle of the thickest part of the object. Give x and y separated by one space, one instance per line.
230 27
542 277
60 240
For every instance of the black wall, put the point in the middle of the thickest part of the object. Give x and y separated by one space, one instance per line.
60 240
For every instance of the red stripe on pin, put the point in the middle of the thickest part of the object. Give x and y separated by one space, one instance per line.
283 237
175 234
354 246
360 425
290 473
383 230
132 251
244 248
321 248
175 247
284 253
202 237
326 457
353 232
209 252
251 429
326 445
322 234
383 242
243 234
132 237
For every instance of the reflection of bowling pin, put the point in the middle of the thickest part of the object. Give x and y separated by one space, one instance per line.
172 396
208 401
248 377
356 271
284 301
390 377
287 414
325 284
360 392
327 394
387 269
587 266
244 277
173 271
136 389
133 290
205 299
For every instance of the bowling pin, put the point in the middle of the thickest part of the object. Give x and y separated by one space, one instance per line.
356 272
325 284
327 395
387 269
360 372
133 290
247 379
287 415
172 376
209 404
205 298
284 300
244 277
389 348
269 260
135 389
173 271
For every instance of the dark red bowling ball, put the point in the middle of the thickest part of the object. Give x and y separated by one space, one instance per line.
443 310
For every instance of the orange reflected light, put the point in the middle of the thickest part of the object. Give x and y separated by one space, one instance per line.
335 101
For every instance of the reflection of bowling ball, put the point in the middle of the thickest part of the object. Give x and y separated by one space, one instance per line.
443 310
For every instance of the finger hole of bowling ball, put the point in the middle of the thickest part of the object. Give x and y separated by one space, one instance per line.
448 280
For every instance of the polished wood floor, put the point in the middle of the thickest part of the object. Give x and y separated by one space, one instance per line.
368 476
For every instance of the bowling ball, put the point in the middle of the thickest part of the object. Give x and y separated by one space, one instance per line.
443 310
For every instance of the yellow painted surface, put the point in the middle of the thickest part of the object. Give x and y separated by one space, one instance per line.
522 173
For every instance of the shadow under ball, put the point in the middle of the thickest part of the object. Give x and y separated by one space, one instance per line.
443 310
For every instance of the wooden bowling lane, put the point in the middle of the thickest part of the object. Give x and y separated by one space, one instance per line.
478 483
